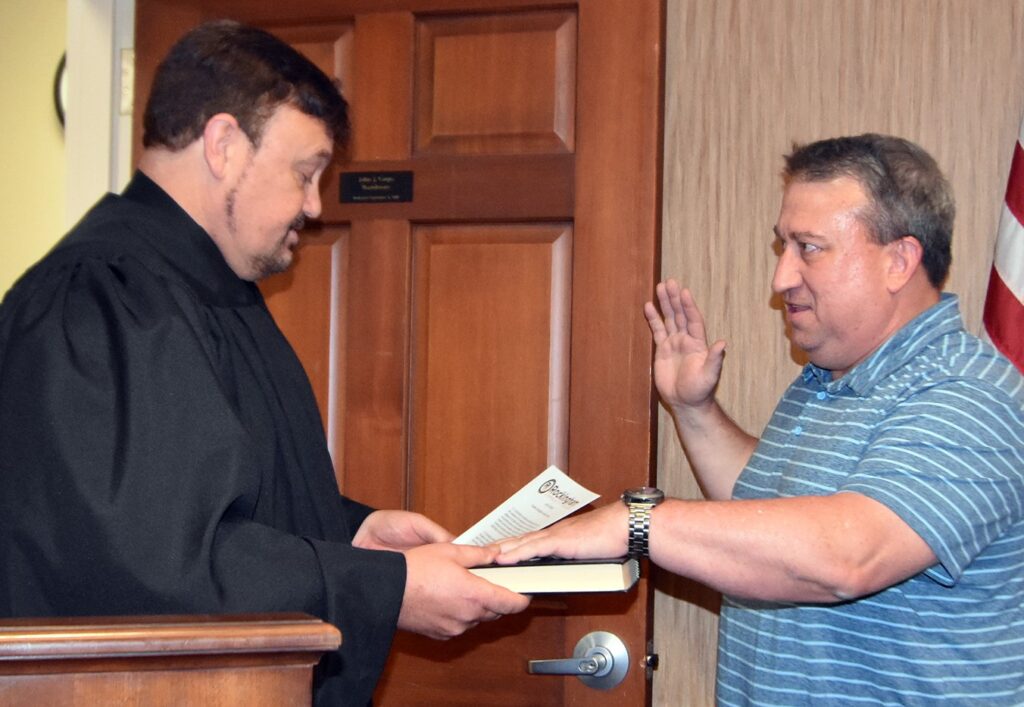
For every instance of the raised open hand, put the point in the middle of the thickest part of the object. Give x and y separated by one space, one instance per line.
686 369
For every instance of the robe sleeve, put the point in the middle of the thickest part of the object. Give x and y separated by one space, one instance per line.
128 482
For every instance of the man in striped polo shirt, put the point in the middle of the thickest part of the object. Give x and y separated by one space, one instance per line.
870 544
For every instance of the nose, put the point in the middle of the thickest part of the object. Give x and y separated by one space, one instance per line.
312 205
787 271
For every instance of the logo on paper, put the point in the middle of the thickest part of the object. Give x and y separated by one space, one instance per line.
551 487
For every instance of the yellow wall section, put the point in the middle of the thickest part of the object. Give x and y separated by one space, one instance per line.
32 39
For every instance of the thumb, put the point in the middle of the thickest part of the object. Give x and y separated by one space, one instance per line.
716 355
431 532
472 555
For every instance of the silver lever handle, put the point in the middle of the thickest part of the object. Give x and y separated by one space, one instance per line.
597 662
600 660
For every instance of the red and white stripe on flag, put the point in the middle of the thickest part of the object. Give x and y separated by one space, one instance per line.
1004 302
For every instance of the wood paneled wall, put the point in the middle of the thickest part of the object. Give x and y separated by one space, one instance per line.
744 80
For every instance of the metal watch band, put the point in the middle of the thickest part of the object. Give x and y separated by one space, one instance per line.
639 529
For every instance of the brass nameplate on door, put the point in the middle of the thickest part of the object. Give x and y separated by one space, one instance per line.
375 187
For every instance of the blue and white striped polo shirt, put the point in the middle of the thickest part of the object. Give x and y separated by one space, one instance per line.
932 426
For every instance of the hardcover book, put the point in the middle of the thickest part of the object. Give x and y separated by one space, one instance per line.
547 575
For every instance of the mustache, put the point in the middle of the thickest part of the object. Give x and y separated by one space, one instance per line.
298 224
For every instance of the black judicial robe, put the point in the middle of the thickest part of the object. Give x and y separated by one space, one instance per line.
161 450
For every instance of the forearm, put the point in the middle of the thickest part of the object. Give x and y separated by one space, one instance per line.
716 446
809 549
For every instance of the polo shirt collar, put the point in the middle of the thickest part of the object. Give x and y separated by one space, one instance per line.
941 319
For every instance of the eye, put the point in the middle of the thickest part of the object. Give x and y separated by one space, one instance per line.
807 248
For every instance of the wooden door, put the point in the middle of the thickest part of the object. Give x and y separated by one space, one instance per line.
462 339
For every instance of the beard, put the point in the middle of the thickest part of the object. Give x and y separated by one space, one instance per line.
276 259
263 266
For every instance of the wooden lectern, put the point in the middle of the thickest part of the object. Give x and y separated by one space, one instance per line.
158 661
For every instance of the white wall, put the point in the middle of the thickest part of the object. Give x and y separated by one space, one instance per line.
100 35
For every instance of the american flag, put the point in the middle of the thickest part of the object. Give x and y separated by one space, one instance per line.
1004 302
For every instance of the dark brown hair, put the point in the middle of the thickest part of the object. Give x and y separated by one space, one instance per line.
908 194
227 67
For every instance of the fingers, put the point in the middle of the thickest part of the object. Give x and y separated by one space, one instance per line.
483 601
654 321
515 555
668 295
442 599
509 544
671 307
678 312
503 603
453 627
674 310
525 548
473 555
691 314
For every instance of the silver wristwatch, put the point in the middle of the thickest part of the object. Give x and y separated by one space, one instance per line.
640 501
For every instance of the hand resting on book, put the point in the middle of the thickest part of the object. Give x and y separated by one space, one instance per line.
590 535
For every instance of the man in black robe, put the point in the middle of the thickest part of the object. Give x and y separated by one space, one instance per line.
161 450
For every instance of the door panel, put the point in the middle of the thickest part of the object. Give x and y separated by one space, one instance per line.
381 67
460 342
468 101
484 670
491 306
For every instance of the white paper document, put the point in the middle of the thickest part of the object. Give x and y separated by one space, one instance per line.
549 497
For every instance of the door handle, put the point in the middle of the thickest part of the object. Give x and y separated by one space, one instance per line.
597 663
600 660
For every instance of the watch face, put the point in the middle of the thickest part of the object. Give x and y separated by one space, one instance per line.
643 494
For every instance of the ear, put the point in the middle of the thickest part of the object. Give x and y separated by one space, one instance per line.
905 256
223 144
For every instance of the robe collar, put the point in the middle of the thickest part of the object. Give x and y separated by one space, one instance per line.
188 247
